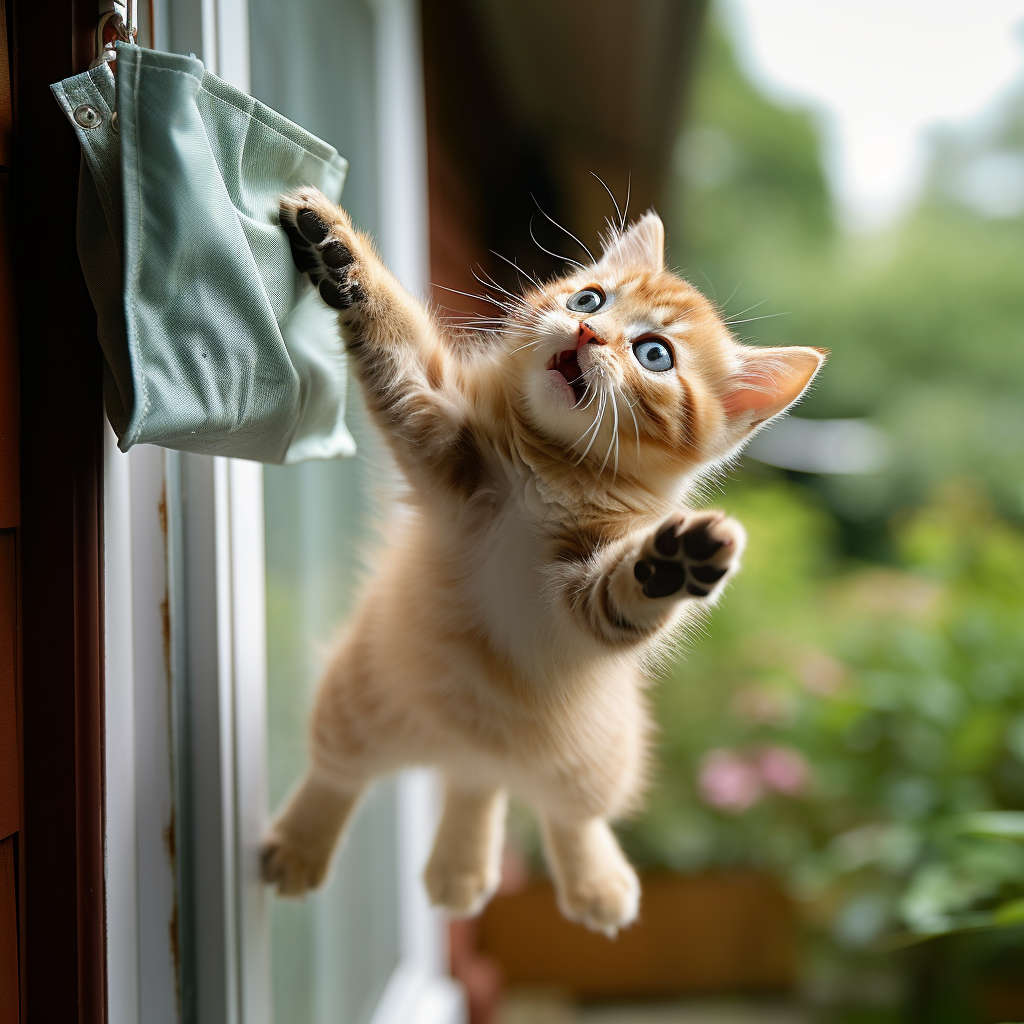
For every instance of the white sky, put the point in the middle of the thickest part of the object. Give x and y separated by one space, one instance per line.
883 72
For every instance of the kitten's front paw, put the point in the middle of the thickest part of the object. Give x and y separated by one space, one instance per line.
604 903
691 553
461 891
292 867
324 246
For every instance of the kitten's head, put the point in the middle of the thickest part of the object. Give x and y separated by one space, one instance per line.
626 379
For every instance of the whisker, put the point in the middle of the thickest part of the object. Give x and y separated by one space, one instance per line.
625 205
469 329
529 344
611 196
479 318
732 293
751 319
519 270
636 427
561 228
599 422
714 293
491 283
496 325
567 259
615 434
598 391
583 373
585 377
593 392
749 308
584 434
470 295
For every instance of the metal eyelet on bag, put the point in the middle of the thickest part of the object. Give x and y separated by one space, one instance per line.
88 116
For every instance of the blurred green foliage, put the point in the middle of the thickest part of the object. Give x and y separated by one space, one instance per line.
925 321
902 688
874 642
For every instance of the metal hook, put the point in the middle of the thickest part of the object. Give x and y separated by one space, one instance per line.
118 20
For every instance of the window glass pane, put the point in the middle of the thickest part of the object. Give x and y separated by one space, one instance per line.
333 953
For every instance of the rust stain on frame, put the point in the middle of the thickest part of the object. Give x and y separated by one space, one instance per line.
171 831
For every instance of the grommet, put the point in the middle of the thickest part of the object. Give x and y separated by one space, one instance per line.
88 116
113 122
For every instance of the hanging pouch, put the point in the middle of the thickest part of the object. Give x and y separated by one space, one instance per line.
213 342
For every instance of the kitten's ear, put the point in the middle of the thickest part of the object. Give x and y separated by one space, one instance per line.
641 244
768 381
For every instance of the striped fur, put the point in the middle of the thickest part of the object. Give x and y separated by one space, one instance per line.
545 555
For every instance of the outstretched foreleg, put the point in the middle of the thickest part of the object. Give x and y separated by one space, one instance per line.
407 374
625 593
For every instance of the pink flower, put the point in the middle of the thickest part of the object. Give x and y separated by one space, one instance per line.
783 769
761 705
728 781
735 780
822 674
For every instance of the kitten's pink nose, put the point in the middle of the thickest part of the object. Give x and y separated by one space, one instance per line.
585 335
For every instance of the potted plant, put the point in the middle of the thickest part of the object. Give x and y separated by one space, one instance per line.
843 734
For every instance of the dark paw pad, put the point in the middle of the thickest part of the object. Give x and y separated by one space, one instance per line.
334 295
304 259
660 578
706 573
681 559
313 228
340 295
698 541
336 255
667 543
328 261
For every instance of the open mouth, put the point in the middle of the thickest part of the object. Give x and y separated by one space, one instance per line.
568 365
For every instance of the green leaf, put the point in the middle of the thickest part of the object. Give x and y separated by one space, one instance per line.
1011 912
1000 824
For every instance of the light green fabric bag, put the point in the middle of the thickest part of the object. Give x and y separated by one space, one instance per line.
214 343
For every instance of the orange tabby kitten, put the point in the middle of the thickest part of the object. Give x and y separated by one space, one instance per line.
543 554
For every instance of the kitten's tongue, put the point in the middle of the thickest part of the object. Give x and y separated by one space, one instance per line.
568 366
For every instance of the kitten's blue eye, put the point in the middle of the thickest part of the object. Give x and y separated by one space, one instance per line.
653 354
590 300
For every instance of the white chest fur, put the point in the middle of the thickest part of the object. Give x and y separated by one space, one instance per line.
507 585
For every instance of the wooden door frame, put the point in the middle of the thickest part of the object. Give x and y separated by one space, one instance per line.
10 732
61 891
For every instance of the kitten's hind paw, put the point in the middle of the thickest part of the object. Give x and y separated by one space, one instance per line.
462 893
324 246
690 555
603 903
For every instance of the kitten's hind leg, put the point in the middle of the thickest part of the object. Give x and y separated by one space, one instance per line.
594 882
296 853
465 866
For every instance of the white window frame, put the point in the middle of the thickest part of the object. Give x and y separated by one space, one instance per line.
184 564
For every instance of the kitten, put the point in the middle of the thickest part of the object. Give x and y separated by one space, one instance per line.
544 553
